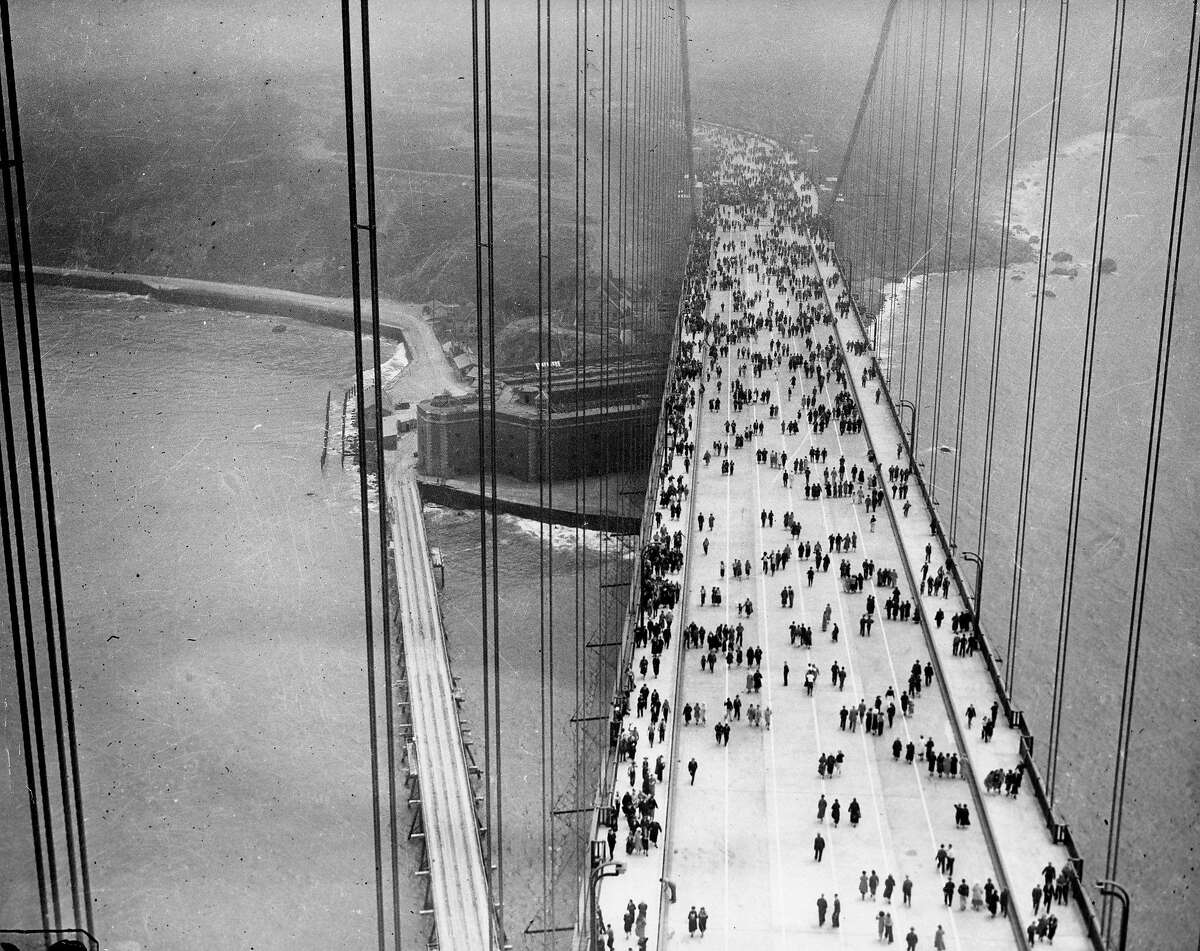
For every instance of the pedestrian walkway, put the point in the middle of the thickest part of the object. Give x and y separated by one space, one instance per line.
775 411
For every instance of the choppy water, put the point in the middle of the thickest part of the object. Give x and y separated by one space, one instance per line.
213 595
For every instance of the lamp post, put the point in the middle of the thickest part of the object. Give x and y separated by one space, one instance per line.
912 423
604 870
977 561
1113 890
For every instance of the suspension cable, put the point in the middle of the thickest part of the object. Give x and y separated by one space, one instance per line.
895 238
929 200
1035 350
56 636
1153 450
363 494
969 305
912 200
1085 395
545 490
948 244
989 441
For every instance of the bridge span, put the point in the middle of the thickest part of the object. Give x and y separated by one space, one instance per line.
459 897
787 491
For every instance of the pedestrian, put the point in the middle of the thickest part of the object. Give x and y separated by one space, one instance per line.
822 905
786 670
863 886
874 883
889 885
692 767
702 920
939 939
821 808
911 939
818 847
880 927
963 891
691 919
837 912
906 890
888 936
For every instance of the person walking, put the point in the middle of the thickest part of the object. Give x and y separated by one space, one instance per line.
906 890
818 847
939 939
863 886
821 808
702 920
822 905
691 919
874 883
836 921
911 939
692 767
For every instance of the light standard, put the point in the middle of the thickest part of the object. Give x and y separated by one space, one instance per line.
912 424
1113 890
978 563
604 870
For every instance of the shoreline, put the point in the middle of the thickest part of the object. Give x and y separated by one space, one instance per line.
311 308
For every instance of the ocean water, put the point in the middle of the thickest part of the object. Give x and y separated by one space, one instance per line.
212 577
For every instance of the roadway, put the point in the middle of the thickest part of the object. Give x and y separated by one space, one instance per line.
458 885
740 840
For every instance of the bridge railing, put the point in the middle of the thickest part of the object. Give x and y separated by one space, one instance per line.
1060 832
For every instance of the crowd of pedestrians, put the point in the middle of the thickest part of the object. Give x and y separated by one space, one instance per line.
759 365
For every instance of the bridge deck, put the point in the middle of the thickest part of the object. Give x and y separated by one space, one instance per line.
456 865
740 839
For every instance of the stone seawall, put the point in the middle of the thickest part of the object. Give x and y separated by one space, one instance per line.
311 308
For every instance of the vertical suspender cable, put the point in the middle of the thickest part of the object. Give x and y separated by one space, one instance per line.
380 488
933 154
1010 162
486 368
498 903
894 237
948 244
542 474
1085 396
27 695
59 654
578 358
1153 450
365 514
912 200
969 304
1035 350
